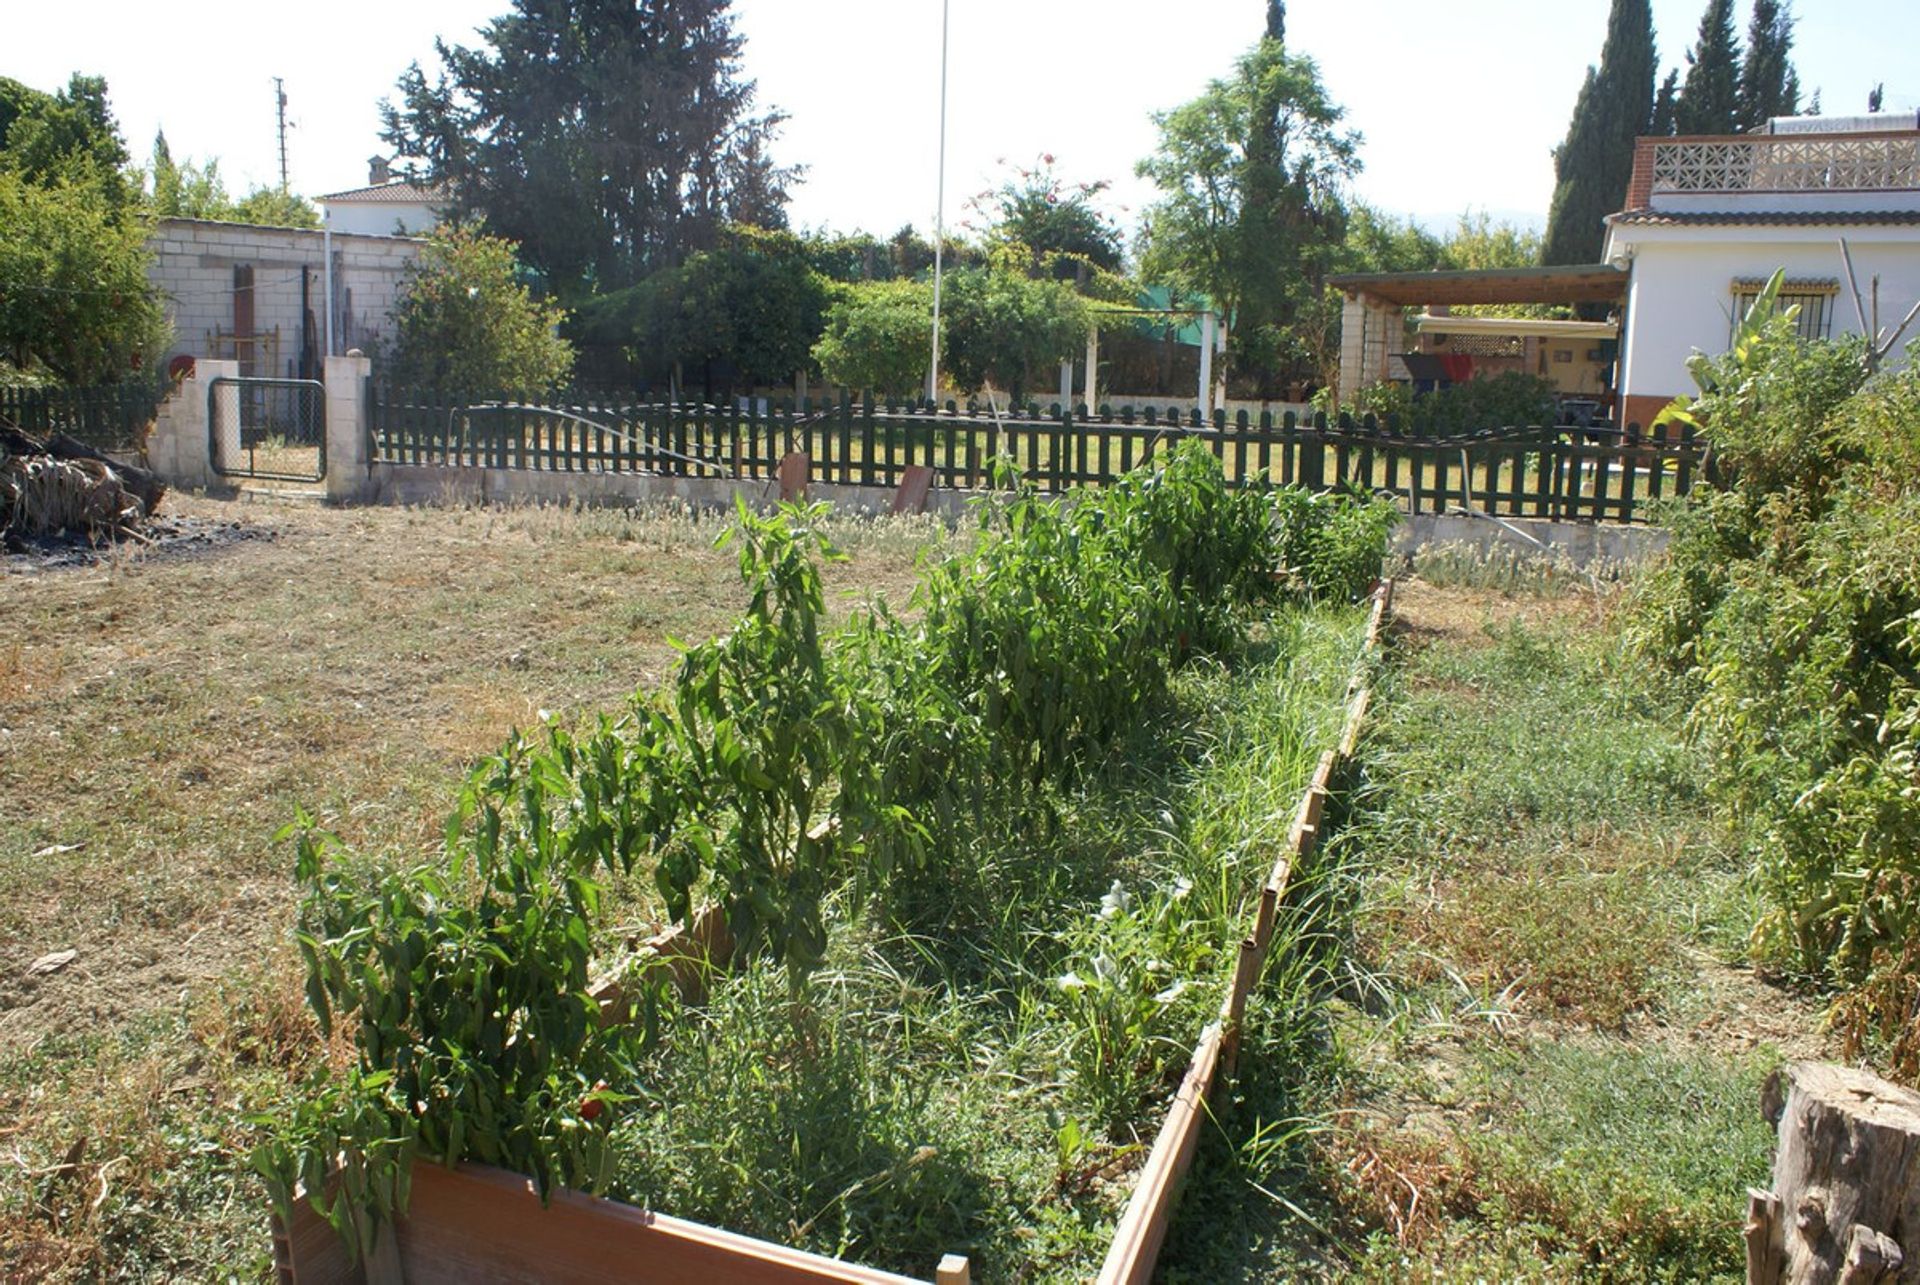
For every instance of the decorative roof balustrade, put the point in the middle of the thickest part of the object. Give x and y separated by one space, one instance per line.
1788 163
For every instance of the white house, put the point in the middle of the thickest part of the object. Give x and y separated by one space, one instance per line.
1710 219
387 206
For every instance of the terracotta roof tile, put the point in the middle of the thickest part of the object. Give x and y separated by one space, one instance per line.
1766 218
388 194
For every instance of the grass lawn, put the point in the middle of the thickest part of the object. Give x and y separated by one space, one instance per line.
160 718
1533 1049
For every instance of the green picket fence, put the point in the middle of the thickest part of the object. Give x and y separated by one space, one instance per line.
1519 472
112 417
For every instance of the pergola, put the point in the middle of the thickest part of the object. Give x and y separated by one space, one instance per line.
1373 321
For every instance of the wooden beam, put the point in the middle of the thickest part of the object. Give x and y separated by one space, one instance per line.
1136 1243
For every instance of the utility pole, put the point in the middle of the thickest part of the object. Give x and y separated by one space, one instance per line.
939 214
280 112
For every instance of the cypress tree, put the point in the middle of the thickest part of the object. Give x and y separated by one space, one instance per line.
1710 98
1594 165
1277 20
1664 104
1768 85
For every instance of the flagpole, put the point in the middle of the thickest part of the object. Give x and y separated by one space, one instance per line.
939 212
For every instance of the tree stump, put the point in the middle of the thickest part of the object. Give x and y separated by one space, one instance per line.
1845 1204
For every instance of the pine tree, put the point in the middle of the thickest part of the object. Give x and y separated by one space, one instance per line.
1710 98
1277 20
1768 85
610 138
1664 105
1594 165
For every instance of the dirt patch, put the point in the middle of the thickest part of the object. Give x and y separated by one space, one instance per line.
164 709
1426 615
159 537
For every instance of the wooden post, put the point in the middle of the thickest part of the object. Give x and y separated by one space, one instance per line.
1846 1173
953 1270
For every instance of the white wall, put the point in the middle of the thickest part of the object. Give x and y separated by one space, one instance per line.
1681 298
383 218
193 268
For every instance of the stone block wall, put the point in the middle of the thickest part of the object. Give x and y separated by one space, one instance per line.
194 270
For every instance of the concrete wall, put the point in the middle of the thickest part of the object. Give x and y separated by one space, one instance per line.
193 268
1578 543
1681 293
179 448
1370 333
434 484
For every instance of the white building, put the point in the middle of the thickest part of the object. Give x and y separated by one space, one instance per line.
387 206
1710 219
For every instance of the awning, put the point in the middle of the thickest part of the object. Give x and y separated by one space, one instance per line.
1521 327
1584 283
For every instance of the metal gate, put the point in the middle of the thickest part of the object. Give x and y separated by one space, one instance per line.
268 428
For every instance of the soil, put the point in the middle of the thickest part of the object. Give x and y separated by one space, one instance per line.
161 536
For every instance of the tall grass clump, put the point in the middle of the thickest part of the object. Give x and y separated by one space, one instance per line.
979 862
1790 608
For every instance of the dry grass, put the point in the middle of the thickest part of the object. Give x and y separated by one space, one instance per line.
160 717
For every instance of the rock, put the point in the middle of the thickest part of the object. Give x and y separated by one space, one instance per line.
47 965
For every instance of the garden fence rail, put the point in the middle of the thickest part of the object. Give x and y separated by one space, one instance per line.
112 417
1530 472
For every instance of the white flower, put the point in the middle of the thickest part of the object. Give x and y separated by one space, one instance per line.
1103 967
1181 887
1171 994
1070 982
1117 901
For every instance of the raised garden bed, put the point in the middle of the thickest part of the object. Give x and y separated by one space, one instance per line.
960 1056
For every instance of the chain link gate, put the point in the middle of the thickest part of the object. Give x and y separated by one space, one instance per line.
268 428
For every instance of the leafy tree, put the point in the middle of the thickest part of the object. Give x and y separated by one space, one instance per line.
69 136
1054 224
610 138
1277 20
1709 100
275 208
1006 329
75 303
879 336
465 323
1377 242
1478 242
1593 167
1769 86
749 310
181 189
74 298
1251 214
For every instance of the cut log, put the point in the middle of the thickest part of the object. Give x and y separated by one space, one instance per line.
143 484
1847 1177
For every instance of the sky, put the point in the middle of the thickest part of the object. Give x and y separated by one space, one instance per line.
1459 105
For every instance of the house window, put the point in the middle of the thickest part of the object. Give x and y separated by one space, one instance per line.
1815 300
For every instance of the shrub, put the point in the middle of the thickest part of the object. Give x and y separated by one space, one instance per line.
879 337
1791 602
1333 546
465 322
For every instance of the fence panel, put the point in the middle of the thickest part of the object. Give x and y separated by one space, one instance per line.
1503 473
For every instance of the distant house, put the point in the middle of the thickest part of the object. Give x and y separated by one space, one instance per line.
1710 219
1434 348
387 206
257 295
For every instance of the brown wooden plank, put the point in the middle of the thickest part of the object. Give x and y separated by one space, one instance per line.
483 1226
1136 1243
